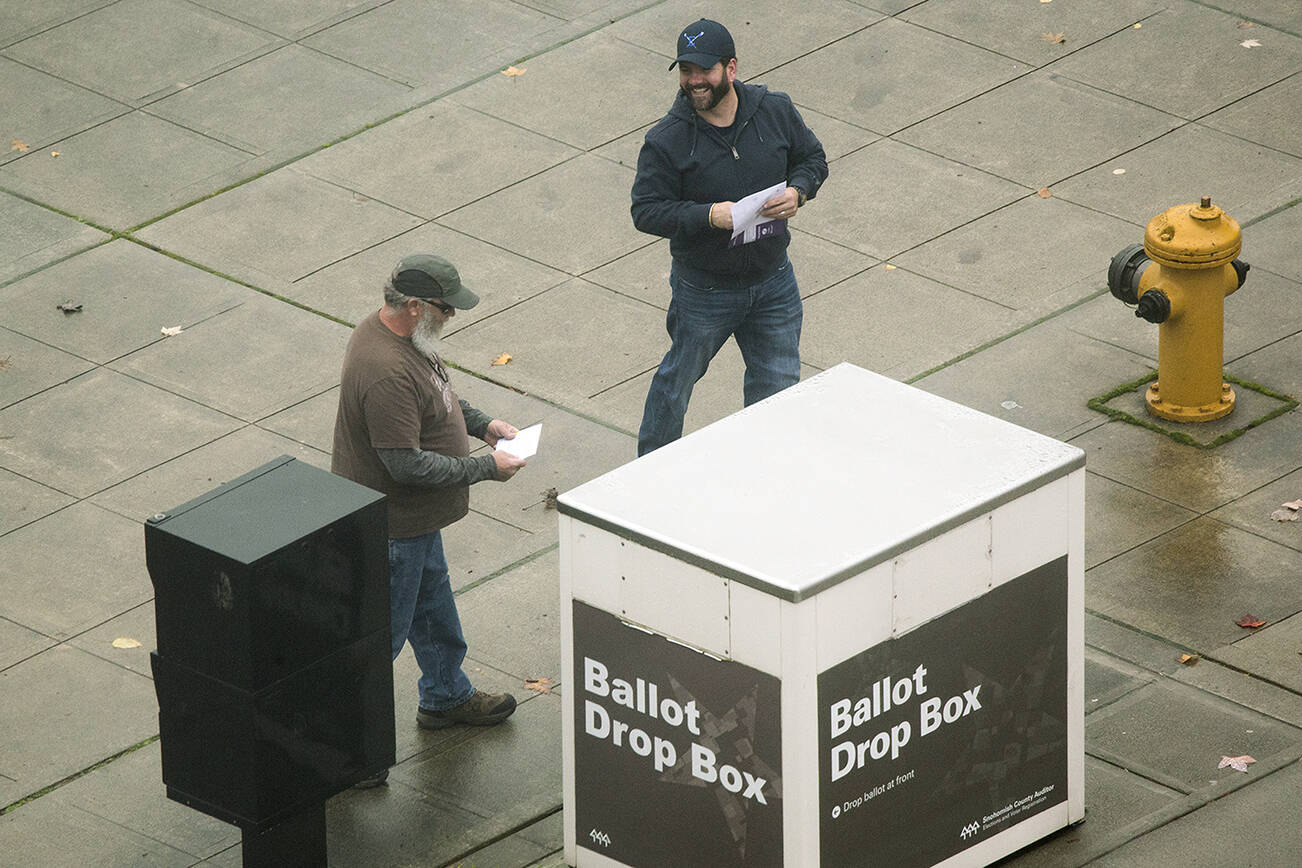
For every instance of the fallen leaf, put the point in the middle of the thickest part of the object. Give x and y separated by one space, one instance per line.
512 71
1236 762
69 306
4 363
890 267
54 153
1244 25
1188 659
1118 171
1284 515
21 147
502 359
1055 38
1044 193
1251 622
171 331
125 642
1292 504
1138 25
549 498
540 685
1250 43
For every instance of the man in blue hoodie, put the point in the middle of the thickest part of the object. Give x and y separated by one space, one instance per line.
721 141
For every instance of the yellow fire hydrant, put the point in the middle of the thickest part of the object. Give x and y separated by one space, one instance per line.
1179 277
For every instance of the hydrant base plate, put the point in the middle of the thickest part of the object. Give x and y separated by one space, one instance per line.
1255 405
1178 413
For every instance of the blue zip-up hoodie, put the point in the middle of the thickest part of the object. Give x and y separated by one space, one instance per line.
686 165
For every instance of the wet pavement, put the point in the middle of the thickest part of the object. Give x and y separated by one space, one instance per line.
249 172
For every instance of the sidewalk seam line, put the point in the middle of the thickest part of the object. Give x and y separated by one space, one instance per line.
506 569
10 808
524 824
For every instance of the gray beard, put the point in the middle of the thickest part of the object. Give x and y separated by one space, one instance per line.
426 336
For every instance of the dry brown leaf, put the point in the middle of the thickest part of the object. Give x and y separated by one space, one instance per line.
1284 515
1188 659
512 71
1044 193
1055 38
502 359
1292 504
125 642
1252 622
1244 25
4 363
539 685
21 147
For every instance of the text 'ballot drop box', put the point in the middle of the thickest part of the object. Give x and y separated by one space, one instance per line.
843 627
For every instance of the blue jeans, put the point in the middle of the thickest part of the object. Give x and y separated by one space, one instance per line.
423 611
766 319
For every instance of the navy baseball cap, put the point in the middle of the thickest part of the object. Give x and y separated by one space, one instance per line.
704 43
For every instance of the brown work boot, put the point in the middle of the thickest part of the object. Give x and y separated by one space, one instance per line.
481 709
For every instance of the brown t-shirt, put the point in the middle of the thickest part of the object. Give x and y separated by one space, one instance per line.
393 396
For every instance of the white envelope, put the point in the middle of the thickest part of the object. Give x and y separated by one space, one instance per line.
524 444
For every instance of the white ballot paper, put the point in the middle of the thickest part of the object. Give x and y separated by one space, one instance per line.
524 444
747 224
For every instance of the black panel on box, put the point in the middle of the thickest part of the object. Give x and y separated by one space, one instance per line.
269 573
254 757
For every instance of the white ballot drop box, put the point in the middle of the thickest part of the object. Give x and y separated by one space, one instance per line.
843 627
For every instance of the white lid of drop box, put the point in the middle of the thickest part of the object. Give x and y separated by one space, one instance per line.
820 482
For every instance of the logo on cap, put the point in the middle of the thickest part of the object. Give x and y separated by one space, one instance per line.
691 40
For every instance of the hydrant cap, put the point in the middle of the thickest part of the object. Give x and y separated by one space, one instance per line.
1195 235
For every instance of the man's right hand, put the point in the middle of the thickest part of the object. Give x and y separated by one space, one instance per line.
507 465
721 215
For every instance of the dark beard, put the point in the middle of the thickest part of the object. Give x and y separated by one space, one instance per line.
716 95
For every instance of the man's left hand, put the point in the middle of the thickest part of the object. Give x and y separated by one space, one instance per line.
499 430
781 206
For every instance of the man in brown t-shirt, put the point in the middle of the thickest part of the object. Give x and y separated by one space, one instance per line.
401 430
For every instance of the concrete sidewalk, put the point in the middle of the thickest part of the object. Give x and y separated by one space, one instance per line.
249 172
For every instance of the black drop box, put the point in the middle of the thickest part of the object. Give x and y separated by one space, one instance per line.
269 573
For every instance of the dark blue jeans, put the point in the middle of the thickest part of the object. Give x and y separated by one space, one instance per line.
766 319
423 611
